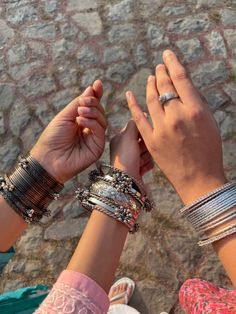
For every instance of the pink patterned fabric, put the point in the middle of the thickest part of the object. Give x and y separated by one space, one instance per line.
75 293
201 297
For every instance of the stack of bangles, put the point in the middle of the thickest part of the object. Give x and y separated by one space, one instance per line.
213 215
29 189
116 194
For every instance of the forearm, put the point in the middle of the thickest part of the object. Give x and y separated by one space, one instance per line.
98 252
12 225
226 251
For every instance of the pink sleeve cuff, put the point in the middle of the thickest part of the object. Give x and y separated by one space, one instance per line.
86 285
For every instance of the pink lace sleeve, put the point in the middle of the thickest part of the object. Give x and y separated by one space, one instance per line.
75 293
199 296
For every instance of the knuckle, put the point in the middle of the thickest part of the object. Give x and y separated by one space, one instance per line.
151 98
196 115
177 124
138 117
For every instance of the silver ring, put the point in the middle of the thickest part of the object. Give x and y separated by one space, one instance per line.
166 97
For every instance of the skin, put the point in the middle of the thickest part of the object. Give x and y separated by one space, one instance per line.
71 142
98 252
184 141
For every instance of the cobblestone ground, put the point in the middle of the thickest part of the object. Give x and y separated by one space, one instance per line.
51 50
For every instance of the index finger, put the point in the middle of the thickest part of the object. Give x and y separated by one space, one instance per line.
139 117
184 86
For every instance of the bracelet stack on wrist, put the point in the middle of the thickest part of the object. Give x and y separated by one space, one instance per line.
29 189
116 194
212 211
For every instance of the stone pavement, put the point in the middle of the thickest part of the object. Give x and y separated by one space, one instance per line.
51 50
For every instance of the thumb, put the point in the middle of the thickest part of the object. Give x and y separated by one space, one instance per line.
88 92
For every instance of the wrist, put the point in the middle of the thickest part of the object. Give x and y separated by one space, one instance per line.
47 164
193 190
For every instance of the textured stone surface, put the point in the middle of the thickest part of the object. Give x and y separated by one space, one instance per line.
67 229
230 36
73 210
36 85
191 24
113 54
157 36
121 11
30 135
123 33
216 98
40 31
6 33
86 57
90 22
209 73
91 75
17 54
81 5
119 72
23 14
216 44
7 92
19 117
138 85
228 17
50 51
191 49
8 154
2 126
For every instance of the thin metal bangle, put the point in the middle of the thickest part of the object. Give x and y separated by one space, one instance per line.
204 208
211 207
112 207
222 208
25 201
202 198
21 184
217 222
46 177
218 237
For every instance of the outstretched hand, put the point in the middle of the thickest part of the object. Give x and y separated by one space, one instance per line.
75 138
183 139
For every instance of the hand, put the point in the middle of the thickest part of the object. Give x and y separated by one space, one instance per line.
75 138
184 139
129 153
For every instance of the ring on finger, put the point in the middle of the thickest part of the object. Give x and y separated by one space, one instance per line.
166 97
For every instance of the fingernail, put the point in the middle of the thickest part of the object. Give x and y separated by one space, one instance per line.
128 95
150 78
168 54
88 101
83 110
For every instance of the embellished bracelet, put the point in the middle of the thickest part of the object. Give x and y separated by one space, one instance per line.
116 194
29 189
213 210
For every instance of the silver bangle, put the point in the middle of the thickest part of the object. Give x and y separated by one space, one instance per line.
206 196
229 231
213 211
217 222
202 218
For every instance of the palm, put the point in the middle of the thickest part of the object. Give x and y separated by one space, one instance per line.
71 148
